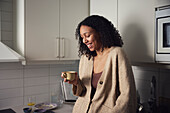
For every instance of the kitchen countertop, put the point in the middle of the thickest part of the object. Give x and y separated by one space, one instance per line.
65 108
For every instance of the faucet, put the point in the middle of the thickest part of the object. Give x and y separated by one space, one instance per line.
152 99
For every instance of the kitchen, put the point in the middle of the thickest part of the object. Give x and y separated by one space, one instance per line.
18 82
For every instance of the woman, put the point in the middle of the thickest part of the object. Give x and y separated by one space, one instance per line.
105 83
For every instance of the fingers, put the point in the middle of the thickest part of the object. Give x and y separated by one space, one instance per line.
62 75
65 80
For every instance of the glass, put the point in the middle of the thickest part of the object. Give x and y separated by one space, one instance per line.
31 101
57 96
166 35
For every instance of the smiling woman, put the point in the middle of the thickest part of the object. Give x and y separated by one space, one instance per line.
90 38
101 27
105 82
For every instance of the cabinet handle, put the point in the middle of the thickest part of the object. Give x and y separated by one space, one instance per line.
58 47
62 48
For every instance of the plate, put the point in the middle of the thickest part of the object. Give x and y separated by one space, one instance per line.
46 106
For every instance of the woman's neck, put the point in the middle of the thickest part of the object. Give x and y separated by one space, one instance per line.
103 53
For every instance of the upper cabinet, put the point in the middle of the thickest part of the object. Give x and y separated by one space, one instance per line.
136 26
160 3
106 8
45 29
135 23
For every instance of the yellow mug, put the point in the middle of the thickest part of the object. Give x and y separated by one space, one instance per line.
69 75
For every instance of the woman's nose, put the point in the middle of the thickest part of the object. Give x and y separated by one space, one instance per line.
84 40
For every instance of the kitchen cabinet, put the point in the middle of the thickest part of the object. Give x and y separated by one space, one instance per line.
160 3
136 26
45 29
106 8
135 23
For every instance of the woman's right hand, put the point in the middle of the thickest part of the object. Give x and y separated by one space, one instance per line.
75 81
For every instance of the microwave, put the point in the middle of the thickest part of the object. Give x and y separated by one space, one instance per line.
162 34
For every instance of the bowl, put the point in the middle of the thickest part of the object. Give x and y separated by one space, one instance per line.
27 110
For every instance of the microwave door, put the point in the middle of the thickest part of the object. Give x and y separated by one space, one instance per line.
163 40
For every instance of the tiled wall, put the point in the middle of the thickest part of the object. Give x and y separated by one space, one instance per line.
143 77
6 21
18 82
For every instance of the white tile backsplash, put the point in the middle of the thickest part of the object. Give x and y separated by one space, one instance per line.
9 93
36 81
6 6
38 98
7 1
7 16
56 71
19 82
6 35
11 74
6 26
10 102
11 83
36 72
143 77
55 79
4 66
35 90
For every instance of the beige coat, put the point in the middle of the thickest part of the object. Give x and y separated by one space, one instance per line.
115 93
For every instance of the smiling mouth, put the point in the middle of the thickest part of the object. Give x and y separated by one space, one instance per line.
89 45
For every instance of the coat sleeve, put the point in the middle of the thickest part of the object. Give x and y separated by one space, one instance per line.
126 100
79 89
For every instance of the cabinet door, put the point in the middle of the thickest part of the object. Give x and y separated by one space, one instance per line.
136 26
42 29
106 8
71 13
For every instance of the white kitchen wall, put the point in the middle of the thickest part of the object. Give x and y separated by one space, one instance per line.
143 77
6 22
18 82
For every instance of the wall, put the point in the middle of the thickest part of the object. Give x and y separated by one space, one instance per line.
6 22
143 77
18 82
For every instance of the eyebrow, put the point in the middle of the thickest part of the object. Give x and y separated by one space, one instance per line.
84 33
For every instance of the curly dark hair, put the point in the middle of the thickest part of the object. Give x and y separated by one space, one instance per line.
109 36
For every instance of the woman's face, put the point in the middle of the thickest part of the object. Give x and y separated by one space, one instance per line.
90 38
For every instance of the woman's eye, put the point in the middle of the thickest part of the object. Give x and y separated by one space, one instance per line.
88 35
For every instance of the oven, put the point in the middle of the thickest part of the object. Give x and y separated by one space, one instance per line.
162 34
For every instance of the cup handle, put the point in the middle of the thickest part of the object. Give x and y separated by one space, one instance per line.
64 75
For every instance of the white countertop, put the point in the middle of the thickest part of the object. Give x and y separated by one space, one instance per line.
65 108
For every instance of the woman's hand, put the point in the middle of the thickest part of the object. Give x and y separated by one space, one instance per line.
75 81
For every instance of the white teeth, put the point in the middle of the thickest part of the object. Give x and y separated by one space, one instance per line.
89 45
